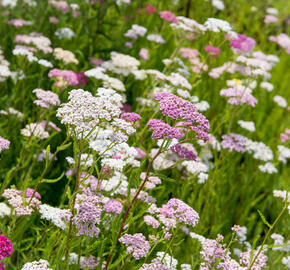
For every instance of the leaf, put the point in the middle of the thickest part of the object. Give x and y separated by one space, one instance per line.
63 147
47 155
52 180
264 219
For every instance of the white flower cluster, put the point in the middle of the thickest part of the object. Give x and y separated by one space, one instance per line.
197 168
279 241
37 265
217 25
136 31
84 111
218 4
286 261
4 210
248 125
267 86
55 215
268 168
66 56
86 160
120 2
36 130
284 153
121 64
156 38
29 55
8 3
259 150
167 260
108 82
189 25
280 101
116 184
11 111
64 33
4 68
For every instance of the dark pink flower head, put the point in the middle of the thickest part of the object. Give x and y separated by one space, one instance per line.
243 43
180 211
150 9
130 117
29 193
180 109
213 51
168 16
126 108
6 247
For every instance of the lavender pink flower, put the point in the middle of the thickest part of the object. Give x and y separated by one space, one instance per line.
113 206
45 98
235 142
71 77
150 9
183 152
180 211
130 117
4 144
246 259
136 244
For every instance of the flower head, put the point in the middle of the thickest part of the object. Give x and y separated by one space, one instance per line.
6 247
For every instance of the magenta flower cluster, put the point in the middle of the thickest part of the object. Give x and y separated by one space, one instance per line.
162 130
180 211
213 51
243 43
178 108
136 244
168 16
6 247
71 77
113 206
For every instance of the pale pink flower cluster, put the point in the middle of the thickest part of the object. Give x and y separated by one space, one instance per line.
38 40
4 144
136 244
17 199
247 257
66 56
36 130
63 6
19 22
45 98
282 40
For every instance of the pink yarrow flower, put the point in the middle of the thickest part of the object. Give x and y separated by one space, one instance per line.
130 117
4 144
143 53
213 51
113 206
168 16
243 43
150 9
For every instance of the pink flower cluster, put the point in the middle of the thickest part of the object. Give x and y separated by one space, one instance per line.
63 6
183 152
6 247
239 95
178 108
179 211
235 142
163 130
130 117
283 136
243 43
45 98
246 259
168 16
71 77
151 221
113 206
136 244
282 40
4 144
18 22
21 206
213 51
